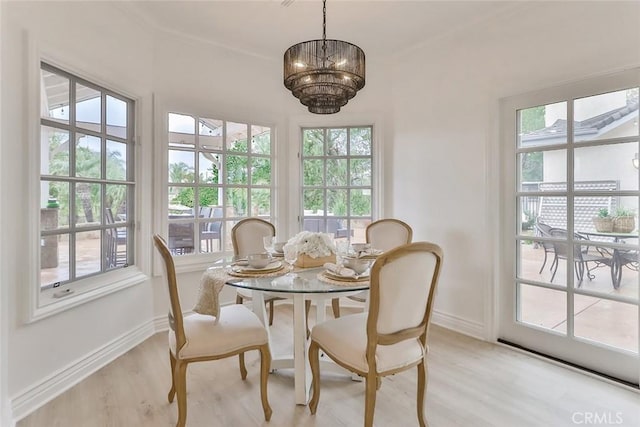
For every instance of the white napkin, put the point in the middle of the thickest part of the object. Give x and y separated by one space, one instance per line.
339 270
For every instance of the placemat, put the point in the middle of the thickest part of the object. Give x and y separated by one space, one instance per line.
323 278
284 270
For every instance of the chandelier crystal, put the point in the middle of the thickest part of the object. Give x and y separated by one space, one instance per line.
324 74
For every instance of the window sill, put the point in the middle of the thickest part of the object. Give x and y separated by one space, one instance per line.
83 291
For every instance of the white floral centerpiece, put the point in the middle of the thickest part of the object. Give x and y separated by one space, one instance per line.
313 249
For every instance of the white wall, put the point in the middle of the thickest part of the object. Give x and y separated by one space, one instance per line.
97 41
445 177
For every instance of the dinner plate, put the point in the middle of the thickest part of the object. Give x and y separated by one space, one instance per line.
335 276
273 266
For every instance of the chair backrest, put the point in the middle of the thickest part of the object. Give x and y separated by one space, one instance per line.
403 285
175 313
247 235
388 233
562 248
544 230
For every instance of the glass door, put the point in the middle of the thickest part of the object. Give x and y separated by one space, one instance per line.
572 290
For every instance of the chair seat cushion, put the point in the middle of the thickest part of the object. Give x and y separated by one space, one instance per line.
346 339
238 327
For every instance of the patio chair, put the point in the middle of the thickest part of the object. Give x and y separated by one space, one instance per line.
116 237
210 231
581 255
197 337
542 230
385 340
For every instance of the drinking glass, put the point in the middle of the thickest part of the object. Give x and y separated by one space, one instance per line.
290 256
268 242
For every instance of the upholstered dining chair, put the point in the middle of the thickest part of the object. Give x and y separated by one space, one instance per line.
246 237
390 337
384 234
197 337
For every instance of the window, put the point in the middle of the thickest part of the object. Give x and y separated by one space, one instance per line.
337 180
218 173
87 181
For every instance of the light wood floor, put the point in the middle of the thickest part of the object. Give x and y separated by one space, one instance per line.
472 383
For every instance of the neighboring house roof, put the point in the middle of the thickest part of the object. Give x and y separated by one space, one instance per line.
590 128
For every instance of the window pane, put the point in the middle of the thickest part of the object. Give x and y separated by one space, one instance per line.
260 171
181 202
260 201
361 202
211 236
88 253
610 115
116 117
54 151
54 259
55 102
55 196
312 172
181 238
360 172
115 247
337 172
260 139
360 141
88 206
211 134
539 167
608 165
608 322
542 125
116 201
528 206
116 160
313 200
546 308
181 166
237 134
337 202
237 169
210 196
209 168
337 142
237 200
313 142
88 108
88 156
314 225
181 130
536 261
553 211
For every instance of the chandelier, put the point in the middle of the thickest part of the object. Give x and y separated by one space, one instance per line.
324 74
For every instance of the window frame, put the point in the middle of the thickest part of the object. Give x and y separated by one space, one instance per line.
197 261
41 303
348 217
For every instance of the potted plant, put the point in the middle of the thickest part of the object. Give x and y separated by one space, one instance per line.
624 221
603 222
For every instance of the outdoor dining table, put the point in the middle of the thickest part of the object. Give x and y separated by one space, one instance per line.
300 285
618 255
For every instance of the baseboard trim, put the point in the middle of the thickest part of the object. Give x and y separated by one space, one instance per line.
60 381
458 324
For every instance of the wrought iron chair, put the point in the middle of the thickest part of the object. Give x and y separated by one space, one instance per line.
581 255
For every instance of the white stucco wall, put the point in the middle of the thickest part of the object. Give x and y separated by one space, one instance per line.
445 115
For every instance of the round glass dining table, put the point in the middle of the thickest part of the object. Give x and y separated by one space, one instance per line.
300 285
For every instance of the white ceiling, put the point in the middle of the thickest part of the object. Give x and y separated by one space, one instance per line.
267 27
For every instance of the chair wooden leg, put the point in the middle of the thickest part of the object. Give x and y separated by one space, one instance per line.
172 391
314 361
265 367
180 375
270 312
243 368
335 306
238 299
370 398
422 385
